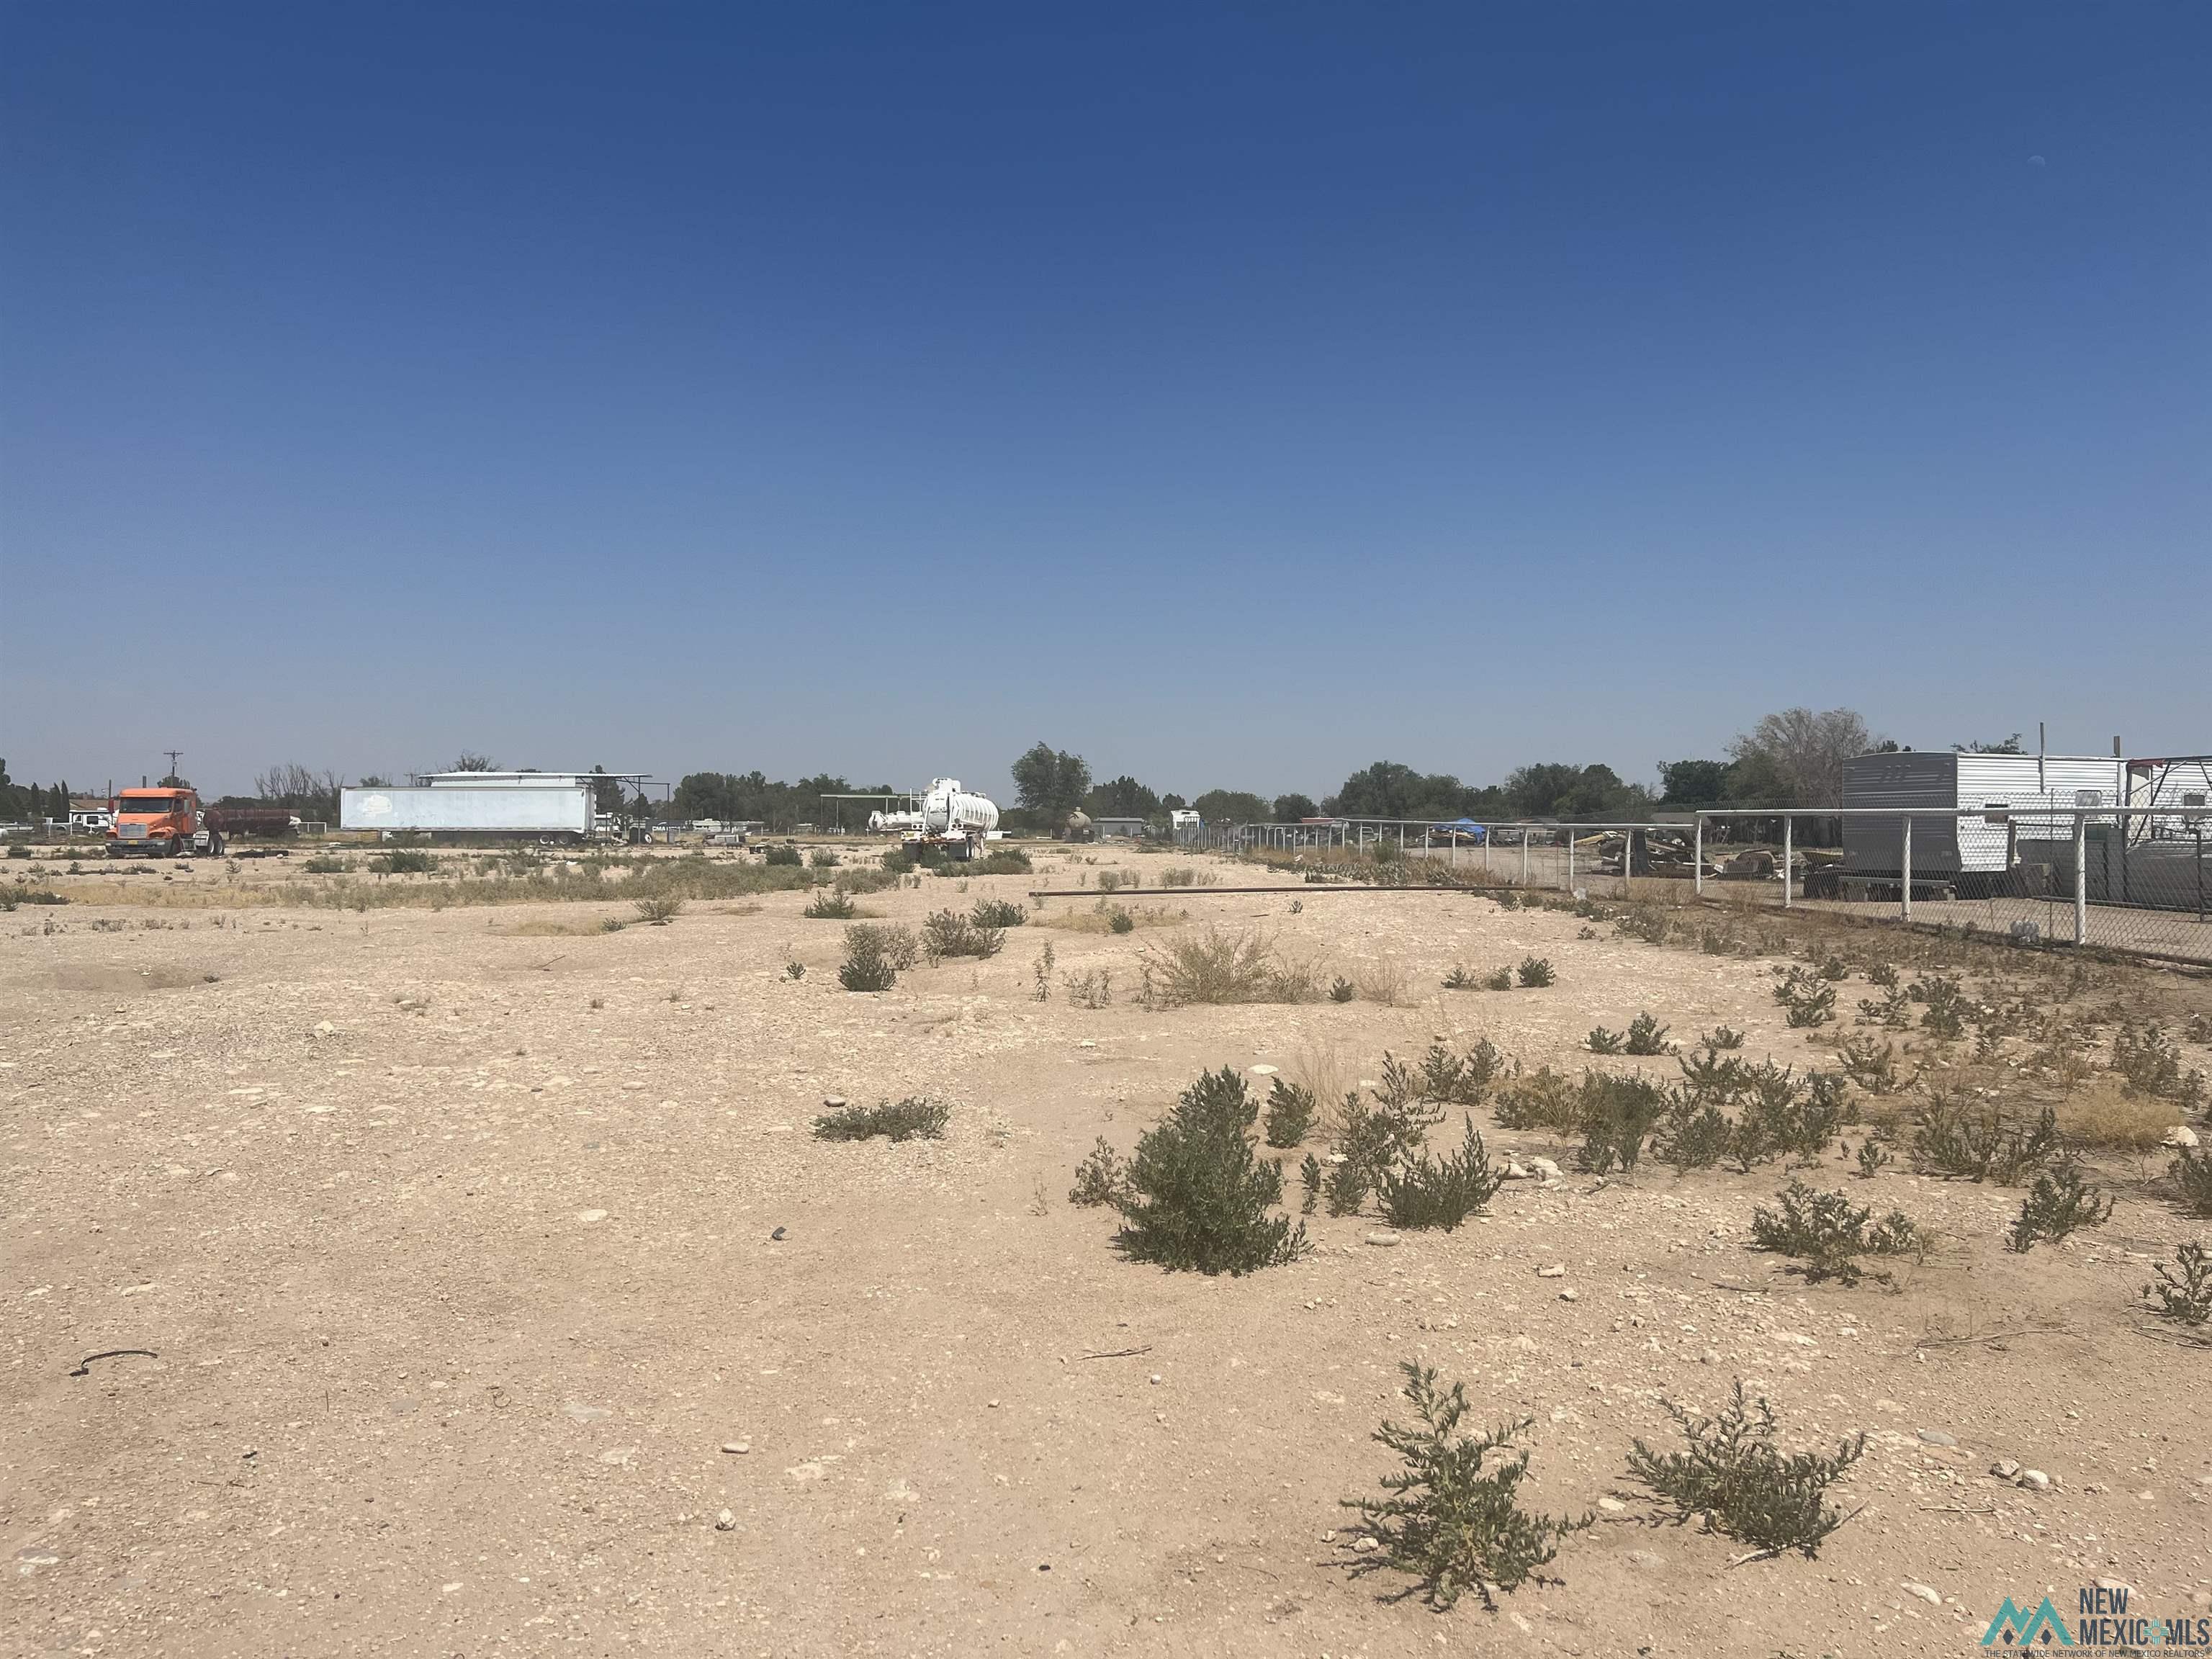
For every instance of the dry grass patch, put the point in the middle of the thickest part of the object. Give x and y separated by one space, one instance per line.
2102 1114
1098 918
1221 966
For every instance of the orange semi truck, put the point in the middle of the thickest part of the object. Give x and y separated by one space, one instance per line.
170 823
161 823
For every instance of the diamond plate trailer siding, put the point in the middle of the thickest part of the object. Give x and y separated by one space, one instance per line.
1946 780
500 810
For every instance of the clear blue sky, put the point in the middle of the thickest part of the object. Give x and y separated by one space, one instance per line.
1234 396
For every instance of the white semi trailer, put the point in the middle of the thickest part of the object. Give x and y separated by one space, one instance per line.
957 819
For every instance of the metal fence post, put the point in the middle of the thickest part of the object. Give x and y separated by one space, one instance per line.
2080 878
1907 883
1789 843
1697 859
1571 857
1524 855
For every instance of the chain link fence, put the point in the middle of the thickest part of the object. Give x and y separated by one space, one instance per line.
2121 879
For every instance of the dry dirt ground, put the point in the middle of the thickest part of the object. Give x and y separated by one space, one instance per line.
499 1299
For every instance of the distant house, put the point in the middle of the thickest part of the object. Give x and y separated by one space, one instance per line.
1118 829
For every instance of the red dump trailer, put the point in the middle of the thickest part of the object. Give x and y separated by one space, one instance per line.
252 820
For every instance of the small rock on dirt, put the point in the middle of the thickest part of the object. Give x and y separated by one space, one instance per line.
2033 1479
726 1521
1553 1271
1382 1241
1938 1437
1933 1597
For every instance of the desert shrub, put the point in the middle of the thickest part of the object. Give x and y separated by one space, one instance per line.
1421 1190
1404 1106
1198 1198
898 862
864 879
1536 972
1616 1114
1541 1099
1691 1133
1110 881
1944 1015
1102 1179
1219 966
1292 1109
823 858
794 969
1732 1473
830 905
2151 1063
324 864
1452 1518
999 913
1091 988
1973 1140
2192 1173
783 854
1873 1069
948 934
917 1117
1001 861
1882 974
1720 1039
1602 1042
1178 875
1499 979
1508 899
1312 1180
658 909
1367 1143
1873 1157
874 957
1461 1079
1828 1233
2185 1294
1648 925
1646 1036
403 861
1894 1011
1808 1001
1709 1076
1342 990
1118 921
1460 979
2062 1201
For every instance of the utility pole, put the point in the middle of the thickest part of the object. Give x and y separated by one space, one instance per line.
173 754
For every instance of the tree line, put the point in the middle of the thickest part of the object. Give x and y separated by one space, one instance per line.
1792 759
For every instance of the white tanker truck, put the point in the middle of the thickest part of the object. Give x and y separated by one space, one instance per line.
956 819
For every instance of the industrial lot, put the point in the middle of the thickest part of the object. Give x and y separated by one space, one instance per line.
421 1242
1175 832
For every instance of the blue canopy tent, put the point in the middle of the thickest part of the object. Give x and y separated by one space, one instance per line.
1465 829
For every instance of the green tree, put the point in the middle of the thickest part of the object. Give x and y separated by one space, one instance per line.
1290 808
606 792
1693 783
1051 782
1231 806
470 762
1120 797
